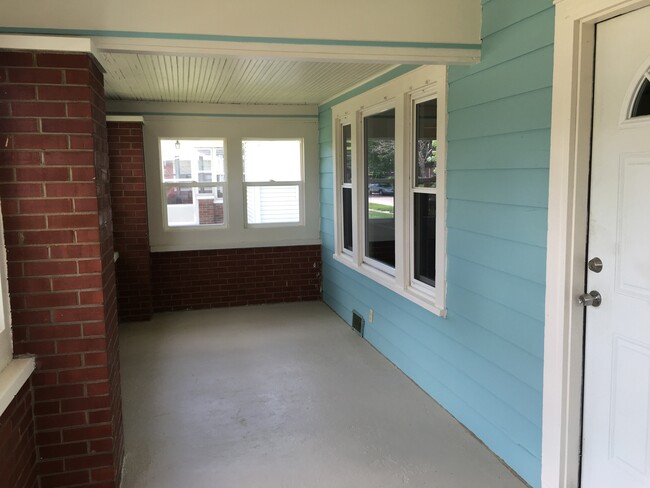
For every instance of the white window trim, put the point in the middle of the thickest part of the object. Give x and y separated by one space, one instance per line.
431 82
574 45
415 97
299 183
14 373
232 126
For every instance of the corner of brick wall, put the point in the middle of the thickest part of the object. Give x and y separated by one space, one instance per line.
130 226
58 230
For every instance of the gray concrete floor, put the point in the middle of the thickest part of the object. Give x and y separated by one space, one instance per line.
283 396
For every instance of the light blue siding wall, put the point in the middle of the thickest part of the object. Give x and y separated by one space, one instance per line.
483 362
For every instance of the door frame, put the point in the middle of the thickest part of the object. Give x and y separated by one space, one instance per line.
573 65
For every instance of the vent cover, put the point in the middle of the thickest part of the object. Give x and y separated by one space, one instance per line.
358 322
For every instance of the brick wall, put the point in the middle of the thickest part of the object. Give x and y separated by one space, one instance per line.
58 232
233 277
130 232
17 449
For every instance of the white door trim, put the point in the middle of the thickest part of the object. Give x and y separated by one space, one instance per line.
575 22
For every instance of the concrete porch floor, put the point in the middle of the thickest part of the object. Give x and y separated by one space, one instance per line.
283 396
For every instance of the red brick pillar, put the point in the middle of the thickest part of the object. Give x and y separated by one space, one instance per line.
130 225
58 230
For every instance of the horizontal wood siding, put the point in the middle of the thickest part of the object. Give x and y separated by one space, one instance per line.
484 361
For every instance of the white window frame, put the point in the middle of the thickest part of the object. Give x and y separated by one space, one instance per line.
341 184
299 183
195 185
6 350
361 183
415 286
400 94
14 373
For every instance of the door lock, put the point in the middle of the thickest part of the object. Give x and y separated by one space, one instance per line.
591 299
595 265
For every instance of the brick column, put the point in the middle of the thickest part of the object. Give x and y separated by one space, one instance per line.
58 230
130 226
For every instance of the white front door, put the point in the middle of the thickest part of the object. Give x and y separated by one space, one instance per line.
616 421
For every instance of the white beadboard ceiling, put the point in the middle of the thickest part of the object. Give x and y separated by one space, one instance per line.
225 80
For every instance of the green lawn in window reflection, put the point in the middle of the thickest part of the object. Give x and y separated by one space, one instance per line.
380 211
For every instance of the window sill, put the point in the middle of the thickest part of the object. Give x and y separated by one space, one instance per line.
12 379
388 281
236 245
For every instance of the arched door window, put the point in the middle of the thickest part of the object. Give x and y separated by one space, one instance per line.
641 101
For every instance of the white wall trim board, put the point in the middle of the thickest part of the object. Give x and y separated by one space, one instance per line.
49 43
123 107
237 245
124 118
46 43
575 22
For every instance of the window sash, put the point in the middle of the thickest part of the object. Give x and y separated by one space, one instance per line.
422 284
373 260
345 181
347 221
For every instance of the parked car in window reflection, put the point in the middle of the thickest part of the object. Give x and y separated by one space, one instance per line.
380 189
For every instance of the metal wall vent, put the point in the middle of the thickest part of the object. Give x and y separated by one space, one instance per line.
358 322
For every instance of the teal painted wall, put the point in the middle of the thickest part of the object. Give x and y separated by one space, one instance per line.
483 362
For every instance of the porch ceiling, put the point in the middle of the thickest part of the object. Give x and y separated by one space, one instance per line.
229 80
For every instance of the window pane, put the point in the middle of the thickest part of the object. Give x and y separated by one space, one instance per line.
347 218
426 143
272 204
642 102
194 206
189 161
347 153
379 169
183 159
266 161
425 238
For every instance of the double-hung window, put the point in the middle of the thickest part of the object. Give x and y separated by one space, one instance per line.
273 181
423 192
193 181
389 191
